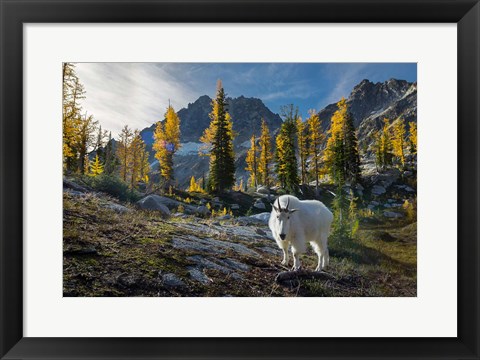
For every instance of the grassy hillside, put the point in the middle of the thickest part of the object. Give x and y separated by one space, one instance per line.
112 250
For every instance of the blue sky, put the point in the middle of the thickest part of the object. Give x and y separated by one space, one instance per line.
137 94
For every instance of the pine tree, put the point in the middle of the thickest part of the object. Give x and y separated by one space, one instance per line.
87 127
111 160
100 143
352 157
386 145
398 141
96 168
303 151
72 92
413 137
377 149
166 143
138 155
265 155
341 154
316 139
218 138
144 165
251 160
286 167
124 151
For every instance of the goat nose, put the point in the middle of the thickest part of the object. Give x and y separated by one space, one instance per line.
282 236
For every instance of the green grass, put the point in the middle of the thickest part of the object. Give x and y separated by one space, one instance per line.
126 252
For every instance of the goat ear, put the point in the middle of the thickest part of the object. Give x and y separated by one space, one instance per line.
276 209
292 211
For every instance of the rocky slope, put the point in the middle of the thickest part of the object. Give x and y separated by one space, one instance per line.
112 248
368 102
371 102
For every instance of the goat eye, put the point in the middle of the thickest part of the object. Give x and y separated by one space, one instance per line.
288 217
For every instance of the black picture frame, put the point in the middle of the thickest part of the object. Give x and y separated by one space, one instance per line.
14 13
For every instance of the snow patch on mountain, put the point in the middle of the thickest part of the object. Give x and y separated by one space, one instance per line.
189 148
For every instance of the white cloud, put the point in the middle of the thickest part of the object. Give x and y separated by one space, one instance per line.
133 94
345 77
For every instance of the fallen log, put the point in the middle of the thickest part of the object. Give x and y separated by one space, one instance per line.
285 276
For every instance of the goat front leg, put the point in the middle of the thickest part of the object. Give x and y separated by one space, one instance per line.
285 256
296 261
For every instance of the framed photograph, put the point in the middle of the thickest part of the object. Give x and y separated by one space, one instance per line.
236 179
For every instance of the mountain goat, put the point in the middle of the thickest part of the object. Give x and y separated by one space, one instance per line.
295 222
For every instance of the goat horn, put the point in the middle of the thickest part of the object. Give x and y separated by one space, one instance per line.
288 202
279 206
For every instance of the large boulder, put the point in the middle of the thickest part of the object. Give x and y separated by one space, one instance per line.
378 190
263 190
73 187
117 208
202 210
154 203
259 204
263 217
392 214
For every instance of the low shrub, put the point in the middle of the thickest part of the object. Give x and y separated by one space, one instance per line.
114 186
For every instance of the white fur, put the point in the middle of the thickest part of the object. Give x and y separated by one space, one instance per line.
306 221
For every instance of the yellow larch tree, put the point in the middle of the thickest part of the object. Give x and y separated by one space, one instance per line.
138 154
266 155
96 168
72 92
316 139
413 137
124 151
398 141
341 154
252 162
166 143
302 138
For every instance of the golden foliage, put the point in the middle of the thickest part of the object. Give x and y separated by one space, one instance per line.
316 139
96 168
167 142
266 155
413 137
398 140
251 160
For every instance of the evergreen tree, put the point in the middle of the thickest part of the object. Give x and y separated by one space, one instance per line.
85 141
138 167
386 145
144 165
352 158
413 137
398 141
96 168
166 143
100 143
302 136
252 162
72 92
286 167
219 139
377 149
111 160
124 151
265 155
316 138
341 154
